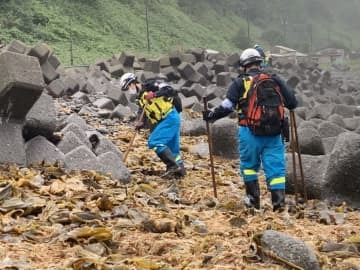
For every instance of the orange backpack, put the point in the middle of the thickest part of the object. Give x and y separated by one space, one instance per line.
264 110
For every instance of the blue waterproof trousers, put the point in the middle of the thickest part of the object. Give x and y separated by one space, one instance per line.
268 150
167 134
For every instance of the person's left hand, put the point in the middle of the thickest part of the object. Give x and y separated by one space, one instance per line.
208 115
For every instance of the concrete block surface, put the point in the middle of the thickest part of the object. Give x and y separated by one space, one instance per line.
39 149
12 145
21 84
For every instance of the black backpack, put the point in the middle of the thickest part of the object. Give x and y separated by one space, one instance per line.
153 85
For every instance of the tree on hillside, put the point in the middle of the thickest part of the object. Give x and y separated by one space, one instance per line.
241 39
273 37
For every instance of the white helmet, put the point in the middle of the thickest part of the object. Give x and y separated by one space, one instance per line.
249 56
127 79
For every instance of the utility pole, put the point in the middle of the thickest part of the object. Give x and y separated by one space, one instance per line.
311 36
147 24
248 24
284 23
71 44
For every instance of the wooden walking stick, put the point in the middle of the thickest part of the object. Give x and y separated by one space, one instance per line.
293 157
299 156
210 149
134 135
295 146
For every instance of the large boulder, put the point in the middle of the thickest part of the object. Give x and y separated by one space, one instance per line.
329 143
310 141
101 145
337 119
314 175
39 149
82 158
17 46
41 119
290 248
224 133
322 111
329 129
12 145
75 119
112 164
345 111
78 131
193 127
352 123
343 170
21 84
69 142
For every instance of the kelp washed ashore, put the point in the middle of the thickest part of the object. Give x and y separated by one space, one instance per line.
53 219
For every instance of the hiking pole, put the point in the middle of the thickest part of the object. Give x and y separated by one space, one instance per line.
293 156
292 115
134 135
210 148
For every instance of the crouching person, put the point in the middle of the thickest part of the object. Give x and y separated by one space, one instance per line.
161 105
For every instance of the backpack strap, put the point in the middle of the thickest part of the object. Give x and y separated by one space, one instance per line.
247 82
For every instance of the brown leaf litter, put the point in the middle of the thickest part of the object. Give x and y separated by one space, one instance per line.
51 219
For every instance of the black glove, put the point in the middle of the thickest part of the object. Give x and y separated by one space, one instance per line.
217 113
208 115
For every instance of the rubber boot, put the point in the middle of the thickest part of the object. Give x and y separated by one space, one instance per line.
182 172
253 194
278 198
168 158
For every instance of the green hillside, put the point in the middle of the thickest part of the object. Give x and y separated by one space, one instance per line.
100 28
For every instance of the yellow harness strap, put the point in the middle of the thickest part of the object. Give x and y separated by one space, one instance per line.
247 85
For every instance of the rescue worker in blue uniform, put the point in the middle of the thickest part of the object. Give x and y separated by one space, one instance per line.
254 150
266 61
157 99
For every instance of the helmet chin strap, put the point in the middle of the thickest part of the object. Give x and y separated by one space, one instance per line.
137 86
133 88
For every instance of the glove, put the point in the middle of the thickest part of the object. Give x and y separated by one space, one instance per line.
208 115
139 125
149 95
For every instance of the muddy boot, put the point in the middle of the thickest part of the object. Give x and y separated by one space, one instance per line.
182 172
278 199
253 194
171 166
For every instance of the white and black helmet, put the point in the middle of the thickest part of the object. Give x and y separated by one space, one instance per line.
250 56
127 79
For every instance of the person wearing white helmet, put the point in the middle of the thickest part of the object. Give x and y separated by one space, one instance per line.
129 82
157 99
260 99
266 61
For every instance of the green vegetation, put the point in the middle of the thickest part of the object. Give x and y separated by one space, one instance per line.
101 28
355 65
